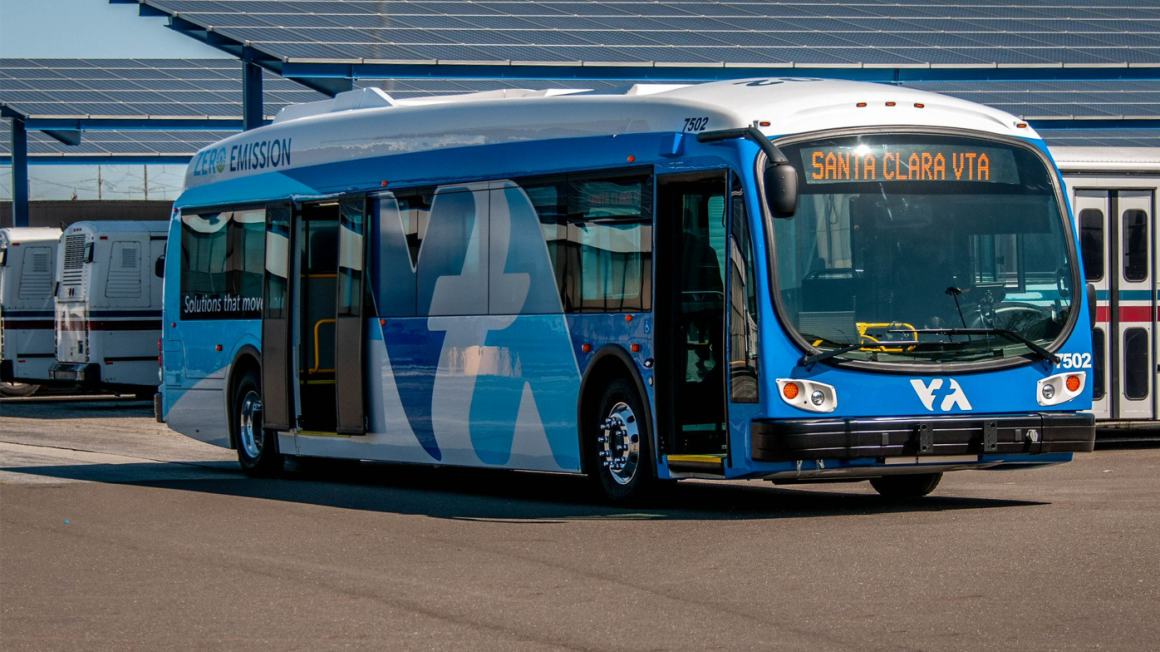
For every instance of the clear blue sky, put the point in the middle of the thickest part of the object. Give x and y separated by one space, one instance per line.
34 29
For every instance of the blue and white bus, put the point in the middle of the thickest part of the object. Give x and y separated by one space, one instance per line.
797 280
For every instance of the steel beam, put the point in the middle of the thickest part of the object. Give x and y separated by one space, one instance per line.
19 173
252 113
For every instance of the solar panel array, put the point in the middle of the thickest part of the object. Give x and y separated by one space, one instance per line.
119 144
805 33
137 87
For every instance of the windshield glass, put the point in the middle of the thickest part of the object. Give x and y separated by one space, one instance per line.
899 234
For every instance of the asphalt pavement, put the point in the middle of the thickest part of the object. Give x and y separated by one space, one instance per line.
118 534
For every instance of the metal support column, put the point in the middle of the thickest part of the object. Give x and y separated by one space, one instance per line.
19 173
252 110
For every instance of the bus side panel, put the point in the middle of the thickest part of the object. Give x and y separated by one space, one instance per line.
199 411
496 391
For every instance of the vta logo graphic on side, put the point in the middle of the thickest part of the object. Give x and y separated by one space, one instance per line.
952 395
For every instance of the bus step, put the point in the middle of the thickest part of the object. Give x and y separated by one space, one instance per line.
697 463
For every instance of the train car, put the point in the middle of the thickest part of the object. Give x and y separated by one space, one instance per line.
108 305
27 275
1114 193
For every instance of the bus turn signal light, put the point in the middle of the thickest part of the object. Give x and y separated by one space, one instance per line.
790 390
1073 383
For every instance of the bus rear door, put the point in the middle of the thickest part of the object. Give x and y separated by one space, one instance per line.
313 320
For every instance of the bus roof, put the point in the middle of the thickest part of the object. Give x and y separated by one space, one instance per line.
1107 159
369 123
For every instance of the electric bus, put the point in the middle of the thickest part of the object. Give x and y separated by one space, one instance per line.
27 274
1113 191
796 280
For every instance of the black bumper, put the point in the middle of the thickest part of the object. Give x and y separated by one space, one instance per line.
824 439
6 374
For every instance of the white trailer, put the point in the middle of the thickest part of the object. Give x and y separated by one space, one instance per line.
27 268
108 305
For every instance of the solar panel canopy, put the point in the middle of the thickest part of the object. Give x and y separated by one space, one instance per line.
137 88
805 34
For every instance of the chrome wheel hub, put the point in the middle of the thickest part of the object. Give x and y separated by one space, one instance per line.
250 426
618 445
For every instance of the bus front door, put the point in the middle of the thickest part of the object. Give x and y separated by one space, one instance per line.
690 291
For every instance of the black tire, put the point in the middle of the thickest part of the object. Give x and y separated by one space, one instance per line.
257 447
621 404
905 487
18 389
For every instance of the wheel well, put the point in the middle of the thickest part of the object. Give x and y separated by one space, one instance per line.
608 364
246 362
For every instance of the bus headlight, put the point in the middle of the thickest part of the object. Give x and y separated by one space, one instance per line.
808 395
1060 388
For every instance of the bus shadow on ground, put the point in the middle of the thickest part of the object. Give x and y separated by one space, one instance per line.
70 407
505 496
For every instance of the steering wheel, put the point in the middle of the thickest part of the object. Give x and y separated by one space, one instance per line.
1024 318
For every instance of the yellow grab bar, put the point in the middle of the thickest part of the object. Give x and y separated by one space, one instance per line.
317 353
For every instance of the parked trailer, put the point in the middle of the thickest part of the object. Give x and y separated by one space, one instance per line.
1114 192
108 305
27 265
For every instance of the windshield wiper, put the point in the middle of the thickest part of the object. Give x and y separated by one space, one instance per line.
1011 335
808 360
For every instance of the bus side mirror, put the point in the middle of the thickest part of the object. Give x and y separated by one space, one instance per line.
159 267
88 258
781 190
1092 308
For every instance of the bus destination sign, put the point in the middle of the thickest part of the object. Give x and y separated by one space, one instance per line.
910 162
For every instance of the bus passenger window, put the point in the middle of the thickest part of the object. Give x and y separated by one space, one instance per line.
1135 245
1091 243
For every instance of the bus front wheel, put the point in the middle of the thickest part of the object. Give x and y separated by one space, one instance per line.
619 459
901 487
257 447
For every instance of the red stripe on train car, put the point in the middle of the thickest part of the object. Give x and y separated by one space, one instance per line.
1136 313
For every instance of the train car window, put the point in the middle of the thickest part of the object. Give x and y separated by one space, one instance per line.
1136 363
1135 245
1098 362
1091 243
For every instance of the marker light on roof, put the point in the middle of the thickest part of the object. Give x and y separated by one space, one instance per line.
860 104
891 103
917 105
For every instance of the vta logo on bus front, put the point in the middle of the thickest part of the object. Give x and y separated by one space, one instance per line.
952 394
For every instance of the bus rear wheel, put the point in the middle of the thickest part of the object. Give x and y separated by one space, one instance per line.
257 447
619 457
903 487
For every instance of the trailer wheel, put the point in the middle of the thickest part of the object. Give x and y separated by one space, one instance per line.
257 447
618 446
18 389
902 487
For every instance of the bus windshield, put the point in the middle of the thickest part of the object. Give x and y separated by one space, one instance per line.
902 242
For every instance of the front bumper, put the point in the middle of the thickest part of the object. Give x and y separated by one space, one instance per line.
845 439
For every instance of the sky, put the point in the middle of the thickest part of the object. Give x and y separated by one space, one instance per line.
82 29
